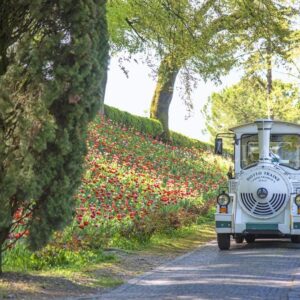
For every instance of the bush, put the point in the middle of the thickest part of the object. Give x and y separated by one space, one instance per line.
184 141
165 220
151 127
144 125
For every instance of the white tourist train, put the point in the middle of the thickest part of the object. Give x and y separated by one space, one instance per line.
262 199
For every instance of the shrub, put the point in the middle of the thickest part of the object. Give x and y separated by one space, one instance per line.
144 125
151 127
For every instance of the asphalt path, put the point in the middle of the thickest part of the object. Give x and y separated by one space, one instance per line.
266 269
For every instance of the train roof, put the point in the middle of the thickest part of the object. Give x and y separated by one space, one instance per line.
276 124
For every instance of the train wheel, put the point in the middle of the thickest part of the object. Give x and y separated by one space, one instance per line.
295 239
250 238
223 241
239 239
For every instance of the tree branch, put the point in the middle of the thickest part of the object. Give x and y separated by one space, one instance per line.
130 24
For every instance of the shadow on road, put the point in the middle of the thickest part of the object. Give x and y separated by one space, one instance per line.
266 243
266 269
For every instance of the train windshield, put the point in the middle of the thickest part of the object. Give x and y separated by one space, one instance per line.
284 150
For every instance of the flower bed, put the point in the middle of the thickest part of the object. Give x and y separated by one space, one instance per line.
135 185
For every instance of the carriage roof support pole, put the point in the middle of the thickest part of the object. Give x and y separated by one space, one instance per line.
264 127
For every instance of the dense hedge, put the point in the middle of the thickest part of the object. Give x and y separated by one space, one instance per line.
144 125
151 127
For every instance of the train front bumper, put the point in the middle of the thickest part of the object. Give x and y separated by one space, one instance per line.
223 223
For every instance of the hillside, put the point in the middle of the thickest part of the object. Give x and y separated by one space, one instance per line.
135 185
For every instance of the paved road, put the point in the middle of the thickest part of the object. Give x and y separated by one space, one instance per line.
263 270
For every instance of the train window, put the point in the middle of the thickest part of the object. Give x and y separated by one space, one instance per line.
284 149
249 150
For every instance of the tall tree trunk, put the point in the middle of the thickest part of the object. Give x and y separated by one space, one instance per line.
163 94
269 78
102 96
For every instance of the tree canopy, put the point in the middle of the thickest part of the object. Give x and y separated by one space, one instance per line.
206 38
246 101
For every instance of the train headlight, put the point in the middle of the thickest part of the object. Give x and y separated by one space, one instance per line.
224 199
297 200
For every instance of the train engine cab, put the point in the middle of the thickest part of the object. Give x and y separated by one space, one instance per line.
262 199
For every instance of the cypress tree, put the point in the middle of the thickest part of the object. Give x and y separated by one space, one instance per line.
50 90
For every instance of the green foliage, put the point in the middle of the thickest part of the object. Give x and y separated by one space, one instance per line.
247 100
208 218
181 140
49 92
269 33
52 257
164 220
168 27
141 124
152 127
166 227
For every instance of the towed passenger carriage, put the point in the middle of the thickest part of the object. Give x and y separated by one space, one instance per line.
262 199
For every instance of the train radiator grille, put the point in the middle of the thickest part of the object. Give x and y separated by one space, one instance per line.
259 208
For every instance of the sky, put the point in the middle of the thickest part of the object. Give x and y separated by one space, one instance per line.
134 94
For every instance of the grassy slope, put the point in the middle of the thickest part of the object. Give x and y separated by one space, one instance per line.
131 176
